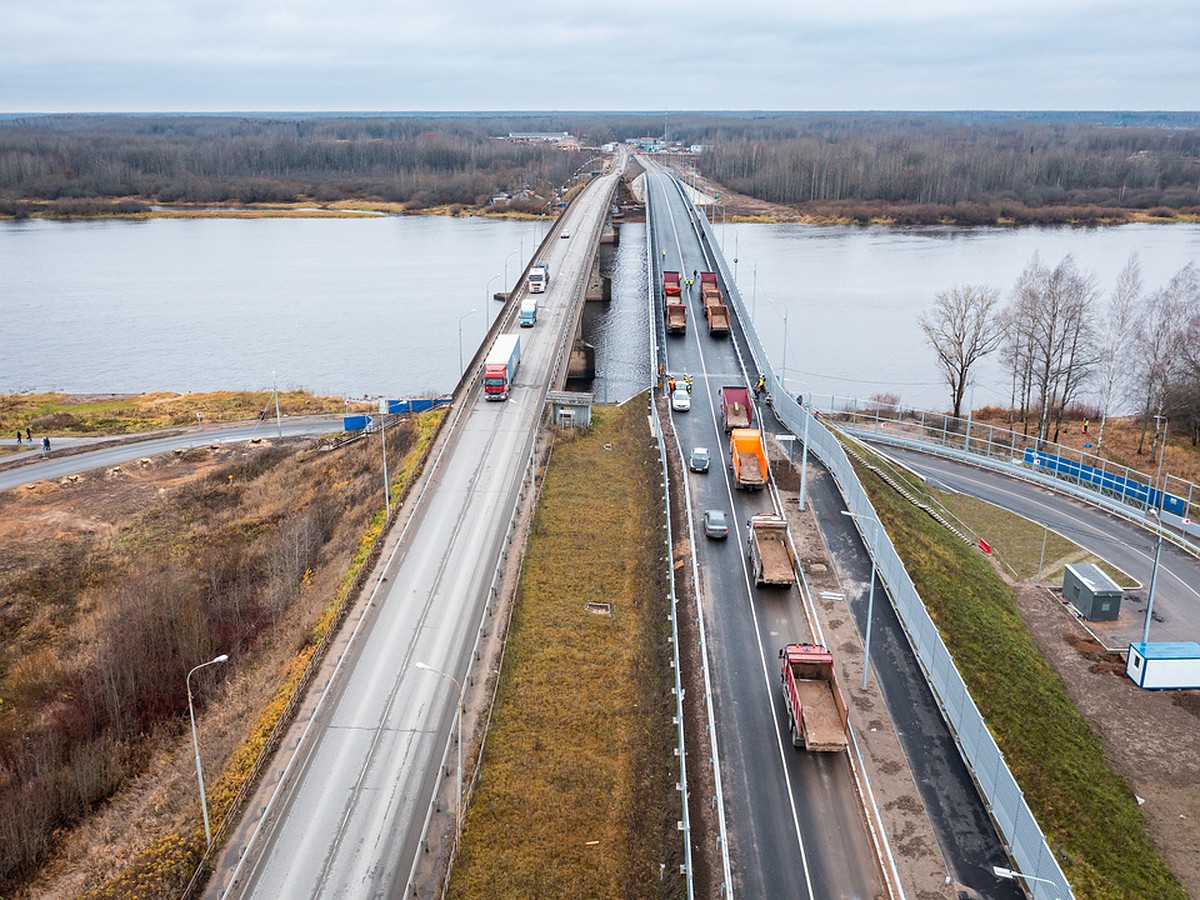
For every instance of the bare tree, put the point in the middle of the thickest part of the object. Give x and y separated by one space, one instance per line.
962 328
1051 342
1122 313
1161 344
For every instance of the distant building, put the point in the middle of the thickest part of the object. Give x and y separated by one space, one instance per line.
539 137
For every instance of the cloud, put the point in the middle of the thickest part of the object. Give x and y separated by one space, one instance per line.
143 55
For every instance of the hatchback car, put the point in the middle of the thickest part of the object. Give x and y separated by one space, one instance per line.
698 461
681 400
714 524
565 234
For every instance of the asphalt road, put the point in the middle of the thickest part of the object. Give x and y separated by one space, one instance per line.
1125 545
795 829
35 467
348 817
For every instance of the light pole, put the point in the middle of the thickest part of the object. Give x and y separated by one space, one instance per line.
506 259
458 779
460 321
1013 875
196 742
387 486
1159 543
487 291
870 598
804 453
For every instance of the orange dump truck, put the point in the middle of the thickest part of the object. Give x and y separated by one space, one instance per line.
749 460
816 710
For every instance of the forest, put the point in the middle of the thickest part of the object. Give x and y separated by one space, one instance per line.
905 168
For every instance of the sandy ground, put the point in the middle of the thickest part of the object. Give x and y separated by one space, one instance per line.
1149 737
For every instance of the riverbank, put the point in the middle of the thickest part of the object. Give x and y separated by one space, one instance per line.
135 209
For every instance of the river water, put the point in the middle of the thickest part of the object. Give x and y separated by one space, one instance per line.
851 296
373 306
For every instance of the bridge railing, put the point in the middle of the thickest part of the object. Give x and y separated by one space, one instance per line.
1015 821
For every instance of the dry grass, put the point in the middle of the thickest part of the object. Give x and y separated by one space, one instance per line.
576 793
121 413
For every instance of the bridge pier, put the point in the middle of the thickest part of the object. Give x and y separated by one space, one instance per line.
582 363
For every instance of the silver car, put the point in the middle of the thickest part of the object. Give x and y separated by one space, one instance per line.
715 525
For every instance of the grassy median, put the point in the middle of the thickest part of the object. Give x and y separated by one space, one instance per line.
576 795
1088 812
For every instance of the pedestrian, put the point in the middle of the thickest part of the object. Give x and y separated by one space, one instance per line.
28 435
46 444
695 274
18 435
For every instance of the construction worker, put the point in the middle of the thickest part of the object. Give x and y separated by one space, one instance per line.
687 382
762 384
671 383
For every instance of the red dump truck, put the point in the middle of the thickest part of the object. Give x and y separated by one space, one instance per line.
670 285
715 309
749 460
736 411
770 551
676 316
816 710
708 283
500 367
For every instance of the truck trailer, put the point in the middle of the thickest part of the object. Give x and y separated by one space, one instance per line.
770 552
816 710
500 367
539 278
748 459
676 317
736 410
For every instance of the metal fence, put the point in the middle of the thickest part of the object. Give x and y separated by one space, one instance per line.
1026 843
1123 490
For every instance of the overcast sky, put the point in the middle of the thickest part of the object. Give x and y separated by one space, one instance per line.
369 55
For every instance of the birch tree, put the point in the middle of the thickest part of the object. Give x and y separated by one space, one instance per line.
1119 336
962 327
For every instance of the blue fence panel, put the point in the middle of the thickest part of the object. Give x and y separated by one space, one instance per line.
1126 487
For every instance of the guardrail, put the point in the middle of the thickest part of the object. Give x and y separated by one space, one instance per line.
1015 821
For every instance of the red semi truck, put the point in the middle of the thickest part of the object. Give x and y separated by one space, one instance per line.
500 367
816 710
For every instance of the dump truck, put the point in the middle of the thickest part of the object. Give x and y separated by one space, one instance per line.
676 317
718 318
770 551
736 411
500 367
816 710
749 460
670 286
539 278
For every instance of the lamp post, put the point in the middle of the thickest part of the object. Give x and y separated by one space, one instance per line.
506 259
870 598
1013 875
387 485
1159 543
458 779
460 321
196 742
804 453
487 291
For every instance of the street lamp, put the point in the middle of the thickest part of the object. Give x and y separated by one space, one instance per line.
1158 546
1013 875
487 291
870 597
506 259
458 780
460 321
196 742
804 454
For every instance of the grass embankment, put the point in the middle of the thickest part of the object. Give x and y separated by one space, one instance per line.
577 789
92 414
1088 813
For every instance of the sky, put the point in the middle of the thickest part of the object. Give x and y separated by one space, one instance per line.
459 55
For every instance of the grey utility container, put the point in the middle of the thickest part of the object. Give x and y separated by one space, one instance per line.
1094 594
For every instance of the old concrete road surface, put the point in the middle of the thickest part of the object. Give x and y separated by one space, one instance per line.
347 817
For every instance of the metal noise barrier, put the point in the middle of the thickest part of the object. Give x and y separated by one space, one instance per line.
1015 821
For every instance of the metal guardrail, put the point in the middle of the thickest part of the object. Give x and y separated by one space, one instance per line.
1015 821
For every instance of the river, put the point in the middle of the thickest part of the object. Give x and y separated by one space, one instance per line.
374 306
852 295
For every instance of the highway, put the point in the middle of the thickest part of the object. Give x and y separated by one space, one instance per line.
795 829
1124 544
347 818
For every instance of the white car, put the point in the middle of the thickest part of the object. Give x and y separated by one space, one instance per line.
681 400
565 234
